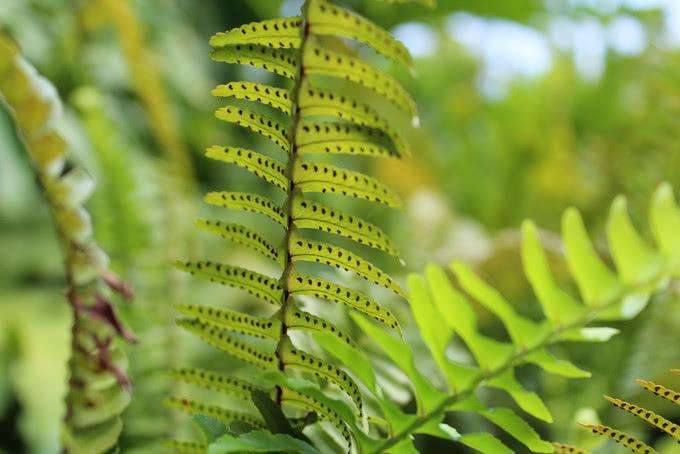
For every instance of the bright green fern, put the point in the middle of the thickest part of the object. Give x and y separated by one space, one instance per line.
306 120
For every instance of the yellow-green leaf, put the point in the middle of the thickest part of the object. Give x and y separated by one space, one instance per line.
277 61
208 379
314 251
306 285
298 359
326 178
280 33
325 62
298 319
241 235
270 170
219 338
245 201
254 283
310 215
328 19
194 407
258 123
232 320
346 138
278 98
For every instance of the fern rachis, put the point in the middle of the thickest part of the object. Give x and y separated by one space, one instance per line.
290 48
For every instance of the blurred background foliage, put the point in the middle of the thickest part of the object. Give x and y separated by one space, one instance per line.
527 107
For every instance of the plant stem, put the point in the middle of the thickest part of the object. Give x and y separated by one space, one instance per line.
292 192
550 338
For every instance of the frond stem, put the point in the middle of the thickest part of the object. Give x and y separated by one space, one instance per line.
288 205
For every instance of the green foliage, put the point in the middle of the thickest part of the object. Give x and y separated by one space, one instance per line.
99 388
292 48
623 438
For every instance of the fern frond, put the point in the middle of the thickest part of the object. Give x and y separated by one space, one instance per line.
219 338
232 320
314 251
327 19
621 438
270 170
274 33
254 283
187 447
258 123
325 62
342 138
315 121
561 448
248 202
98 386
212 380
321 288
277 98
241 235
310 215
295 359
440 310
661 391
194 407
326 178
649 416
277 61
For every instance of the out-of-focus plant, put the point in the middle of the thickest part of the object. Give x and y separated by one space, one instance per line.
98 384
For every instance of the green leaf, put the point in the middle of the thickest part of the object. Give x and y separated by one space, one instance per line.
277 61
233 320
325 62
219 338
211 428
276 421
524 333
597 283
485 443
427 396
241 235
313 251
310 215
508 420
352 358
186 447
337 138
297 319
326 178
457 311
277 98
260 441
665 221
279 33
560 308
245 201
257 284
624 439
270 170
207 379
635 260
98 438
255 122
546 361
328 19
306 285
527 400
436 333
298 359
367 125
225 415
